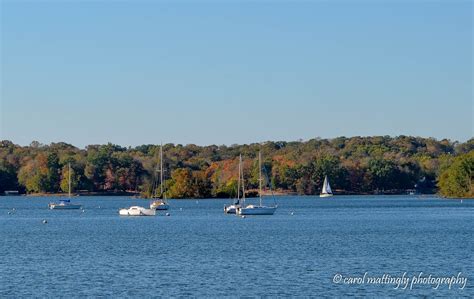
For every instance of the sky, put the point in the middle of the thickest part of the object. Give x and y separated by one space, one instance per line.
210 72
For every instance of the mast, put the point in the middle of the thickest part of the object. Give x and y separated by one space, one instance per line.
260 176
69 180
238 181
243 182
161 169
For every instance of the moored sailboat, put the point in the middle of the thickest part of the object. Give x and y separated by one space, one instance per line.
65 204
159 204
326 192
232 209
259 209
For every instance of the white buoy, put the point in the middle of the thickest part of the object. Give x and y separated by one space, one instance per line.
292 213
14 208
45 221
168 214
180 209
243 216
9 213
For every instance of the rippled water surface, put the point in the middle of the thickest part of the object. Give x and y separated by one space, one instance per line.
199 251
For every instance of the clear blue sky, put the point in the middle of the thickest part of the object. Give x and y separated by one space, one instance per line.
88 72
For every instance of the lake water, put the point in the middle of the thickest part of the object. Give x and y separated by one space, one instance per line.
199 251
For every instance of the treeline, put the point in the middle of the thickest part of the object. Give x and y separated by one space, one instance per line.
354 165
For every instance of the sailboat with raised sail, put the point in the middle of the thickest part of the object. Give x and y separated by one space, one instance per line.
160 202
326 192
236 204
259 209
65 204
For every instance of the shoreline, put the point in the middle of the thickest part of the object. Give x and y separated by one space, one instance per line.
276 194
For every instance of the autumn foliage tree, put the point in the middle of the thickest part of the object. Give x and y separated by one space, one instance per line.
353 165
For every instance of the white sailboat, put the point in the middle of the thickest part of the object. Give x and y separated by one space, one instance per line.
233 207
65 204
257 209
160 204
326 192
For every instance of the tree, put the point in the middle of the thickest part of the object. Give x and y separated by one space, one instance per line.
35 174
8 179
53 172
181 184
456 180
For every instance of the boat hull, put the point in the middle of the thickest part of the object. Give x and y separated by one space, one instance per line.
256 210
159 206
232 209
53 206
325 195
137 211
162 208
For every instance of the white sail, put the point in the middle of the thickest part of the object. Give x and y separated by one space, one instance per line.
326 186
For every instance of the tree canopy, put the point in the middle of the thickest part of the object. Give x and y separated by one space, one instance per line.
354 165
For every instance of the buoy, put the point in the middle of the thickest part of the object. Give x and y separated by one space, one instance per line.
292 213
9 213
14 208
180 209
243 216
167 214
45 221
83 210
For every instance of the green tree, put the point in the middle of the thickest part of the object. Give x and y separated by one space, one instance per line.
34 175
181 184
456 180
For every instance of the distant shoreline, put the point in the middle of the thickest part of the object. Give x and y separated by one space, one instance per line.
250 195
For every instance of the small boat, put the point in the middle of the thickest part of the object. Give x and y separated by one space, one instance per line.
65 204
326 192
257 209
232 209
137 211
159 204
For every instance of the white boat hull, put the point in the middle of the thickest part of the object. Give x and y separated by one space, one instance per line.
137 211
256 210
55 206
325 195
232 209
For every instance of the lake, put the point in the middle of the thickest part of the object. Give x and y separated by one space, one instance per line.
310 247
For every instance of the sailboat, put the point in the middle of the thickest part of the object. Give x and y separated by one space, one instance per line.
160 204
233 207
65 204
257 209
326 192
